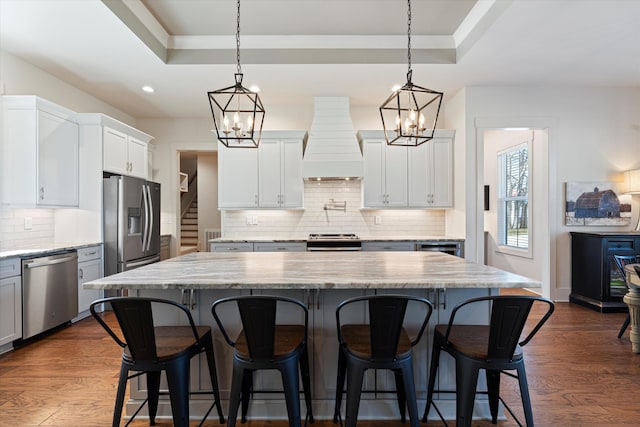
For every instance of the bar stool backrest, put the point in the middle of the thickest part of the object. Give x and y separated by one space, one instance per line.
621 261
386 316
258 322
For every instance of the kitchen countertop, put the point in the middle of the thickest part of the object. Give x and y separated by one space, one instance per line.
39 250
313 270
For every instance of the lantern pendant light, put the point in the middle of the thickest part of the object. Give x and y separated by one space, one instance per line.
410 113
237 112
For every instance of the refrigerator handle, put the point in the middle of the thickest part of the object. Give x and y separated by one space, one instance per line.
145 233
151 215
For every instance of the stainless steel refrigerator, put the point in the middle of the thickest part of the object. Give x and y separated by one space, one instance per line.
131 223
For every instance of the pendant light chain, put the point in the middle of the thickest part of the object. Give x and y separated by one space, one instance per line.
409 38
238 39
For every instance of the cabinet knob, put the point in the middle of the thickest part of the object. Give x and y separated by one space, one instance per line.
80 274
41 193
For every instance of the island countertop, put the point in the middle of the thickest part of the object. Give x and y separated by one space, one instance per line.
313 270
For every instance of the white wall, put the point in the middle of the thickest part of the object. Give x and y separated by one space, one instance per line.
594 136
208 213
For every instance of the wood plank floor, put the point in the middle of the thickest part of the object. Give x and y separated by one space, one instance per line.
579 374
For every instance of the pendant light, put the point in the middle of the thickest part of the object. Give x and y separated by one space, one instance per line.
410 113
237 111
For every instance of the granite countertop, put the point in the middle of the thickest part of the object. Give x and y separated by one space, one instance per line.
304 239
313 270
37 250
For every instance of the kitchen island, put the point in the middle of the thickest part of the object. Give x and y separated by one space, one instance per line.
321 280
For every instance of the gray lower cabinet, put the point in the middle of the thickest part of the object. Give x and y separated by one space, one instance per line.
90 267
10 302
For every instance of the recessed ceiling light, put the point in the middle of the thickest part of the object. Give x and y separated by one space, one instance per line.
148 89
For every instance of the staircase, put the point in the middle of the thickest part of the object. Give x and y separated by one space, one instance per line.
189 229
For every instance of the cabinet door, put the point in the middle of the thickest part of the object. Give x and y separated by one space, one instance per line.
292 183
87 271
237 177
395 176
270 166
10 309
58 144
114 151
431 174
137 158
441 165
374 194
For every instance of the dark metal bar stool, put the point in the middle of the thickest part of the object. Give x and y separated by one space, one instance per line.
383 343
496 348
263 344
150 349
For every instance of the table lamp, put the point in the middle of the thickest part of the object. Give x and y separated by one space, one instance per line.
632 180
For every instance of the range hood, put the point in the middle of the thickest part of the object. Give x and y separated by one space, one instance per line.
332 150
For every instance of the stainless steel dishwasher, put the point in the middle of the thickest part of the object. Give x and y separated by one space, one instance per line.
49 292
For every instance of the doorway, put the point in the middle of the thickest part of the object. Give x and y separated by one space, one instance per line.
198 200
534 260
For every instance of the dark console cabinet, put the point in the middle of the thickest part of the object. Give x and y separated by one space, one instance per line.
595 280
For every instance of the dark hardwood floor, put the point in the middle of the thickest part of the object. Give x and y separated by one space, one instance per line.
579 374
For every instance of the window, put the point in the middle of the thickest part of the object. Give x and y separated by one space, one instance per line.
514 225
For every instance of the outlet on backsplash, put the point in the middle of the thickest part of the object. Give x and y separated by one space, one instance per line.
252 220
28 223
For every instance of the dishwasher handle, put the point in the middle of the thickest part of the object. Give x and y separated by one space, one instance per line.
35 264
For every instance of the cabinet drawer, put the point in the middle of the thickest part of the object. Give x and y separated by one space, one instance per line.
279 247
10 267
620 244
89 253
231 247
388 246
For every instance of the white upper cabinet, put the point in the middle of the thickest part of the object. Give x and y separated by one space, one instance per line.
280 173
40 153
269 177
385 173
431 172
125 150
237 177
414 177
124 154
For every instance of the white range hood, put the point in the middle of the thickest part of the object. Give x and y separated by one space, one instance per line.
332 150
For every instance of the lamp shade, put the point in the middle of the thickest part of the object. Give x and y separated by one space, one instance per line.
632 181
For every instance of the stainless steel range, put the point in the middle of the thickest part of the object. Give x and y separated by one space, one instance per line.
334 242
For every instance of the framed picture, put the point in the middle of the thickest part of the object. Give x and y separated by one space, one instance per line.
596 203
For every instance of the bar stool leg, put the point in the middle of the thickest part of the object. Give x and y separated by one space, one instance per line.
466 383
493 388
153 392
178 382
234 396
355 374
306 381
122 387
342 372
290 381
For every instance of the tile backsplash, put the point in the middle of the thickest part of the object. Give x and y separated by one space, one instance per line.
315 219
12 227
